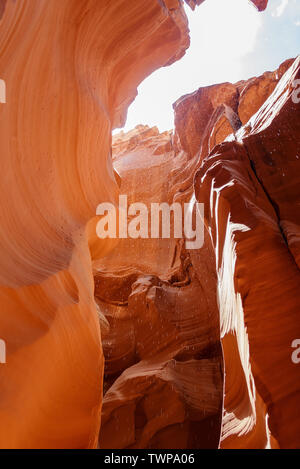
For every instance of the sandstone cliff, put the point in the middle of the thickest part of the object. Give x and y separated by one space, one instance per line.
71 69
198 351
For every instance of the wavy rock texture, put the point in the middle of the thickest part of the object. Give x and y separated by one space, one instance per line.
197 344
250 186
237 294
213 112
68 68
163 378
267 257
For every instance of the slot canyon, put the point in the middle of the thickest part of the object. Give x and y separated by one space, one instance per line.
143 343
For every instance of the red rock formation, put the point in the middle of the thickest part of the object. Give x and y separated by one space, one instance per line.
163 379
249 185
197 344
68 68
260 4
213 112
249 188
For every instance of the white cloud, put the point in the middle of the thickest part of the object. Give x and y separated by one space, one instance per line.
280 8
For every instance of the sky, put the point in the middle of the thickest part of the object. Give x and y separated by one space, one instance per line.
230 41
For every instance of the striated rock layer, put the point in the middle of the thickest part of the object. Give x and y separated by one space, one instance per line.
253 183
198 343
163 360
71 69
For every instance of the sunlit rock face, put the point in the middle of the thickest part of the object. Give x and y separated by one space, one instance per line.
163 363
71 69
206 117
250 187
264 221
222 318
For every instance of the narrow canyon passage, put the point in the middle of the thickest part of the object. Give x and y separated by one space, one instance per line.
143 343
169 309
163 361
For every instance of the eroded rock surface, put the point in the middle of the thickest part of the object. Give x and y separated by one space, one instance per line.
163 367
71 69
206 117
173 311
197 343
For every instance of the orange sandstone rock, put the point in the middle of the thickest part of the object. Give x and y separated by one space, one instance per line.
251 186
71 70
163 363
197 344
206 117
239 291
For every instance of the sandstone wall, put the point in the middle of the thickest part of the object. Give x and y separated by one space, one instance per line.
237 295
